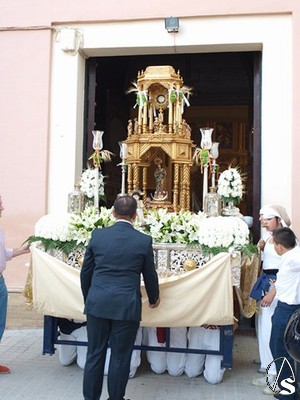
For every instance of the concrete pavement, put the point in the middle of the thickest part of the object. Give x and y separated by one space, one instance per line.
41 377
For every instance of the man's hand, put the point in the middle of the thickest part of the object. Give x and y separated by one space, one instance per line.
155 304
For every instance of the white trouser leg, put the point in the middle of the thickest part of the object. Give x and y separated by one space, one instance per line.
81 336
135 357
67 353
156 359
176 361
136 354
264 327
161 361
210 365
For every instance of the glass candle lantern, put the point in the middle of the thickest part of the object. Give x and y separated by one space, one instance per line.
123 150
97 141
212 203
206 141
76 200
214 151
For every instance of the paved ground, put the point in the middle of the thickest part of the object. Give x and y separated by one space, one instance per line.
40 377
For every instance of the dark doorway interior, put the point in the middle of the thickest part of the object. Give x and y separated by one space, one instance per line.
226 97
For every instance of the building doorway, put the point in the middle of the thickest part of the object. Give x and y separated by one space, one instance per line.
226 97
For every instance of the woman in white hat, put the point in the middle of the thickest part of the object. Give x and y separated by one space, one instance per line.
272 217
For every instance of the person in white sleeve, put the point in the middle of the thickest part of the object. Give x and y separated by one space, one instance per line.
6 254
287 293
272 217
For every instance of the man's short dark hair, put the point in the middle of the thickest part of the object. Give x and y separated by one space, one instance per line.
125 205
285 236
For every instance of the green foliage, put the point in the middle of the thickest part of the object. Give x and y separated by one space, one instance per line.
248 250
50 244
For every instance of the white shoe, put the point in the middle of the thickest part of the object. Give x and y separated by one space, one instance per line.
268 390
260 381
263 381
262 370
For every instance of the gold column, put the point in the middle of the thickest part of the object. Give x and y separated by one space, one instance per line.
179 120
145 117
170 121
186 187
177 111
188 197
144 184
140 115
182 188
135 177
175 193
151 118
129 178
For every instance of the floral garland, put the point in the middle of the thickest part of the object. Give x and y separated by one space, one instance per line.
214 234
230 186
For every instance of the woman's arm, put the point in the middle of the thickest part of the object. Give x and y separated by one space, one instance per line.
266 301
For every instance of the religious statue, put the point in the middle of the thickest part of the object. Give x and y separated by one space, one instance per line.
129 128
135 127
140 206
186 129
160 176
156 125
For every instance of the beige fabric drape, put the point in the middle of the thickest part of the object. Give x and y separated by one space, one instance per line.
202 296
249 273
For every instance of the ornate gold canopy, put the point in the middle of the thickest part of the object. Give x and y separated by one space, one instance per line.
160 132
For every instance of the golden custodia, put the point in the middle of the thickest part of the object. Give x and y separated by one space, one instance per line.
159 132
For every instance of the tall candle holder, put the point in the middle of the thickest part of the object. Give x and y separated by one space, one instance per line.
97 146
206 144
123 156
214 154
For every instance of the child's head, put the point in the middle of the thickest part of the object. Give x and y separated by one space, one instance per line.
284 239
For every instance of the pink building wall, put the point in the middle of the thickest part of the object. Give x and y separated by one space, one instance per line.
25 76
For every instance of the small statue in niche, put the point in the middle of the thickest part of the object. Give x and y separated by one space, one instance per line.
186 129
135 128
161 120
140 206
160 176
129 127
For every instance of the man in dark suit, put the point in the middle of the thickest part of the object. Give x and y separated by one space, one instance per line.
110 281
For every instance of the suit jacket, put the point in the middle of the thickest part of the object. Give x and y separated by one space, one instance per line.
110 277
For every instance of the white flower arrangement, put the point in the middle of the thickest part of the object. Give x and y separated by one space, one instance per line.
82 225
169 227
230 186
88 182
223 233
54 227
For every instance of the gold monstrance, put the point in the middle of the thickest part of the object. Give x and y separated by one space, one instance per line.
159 138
